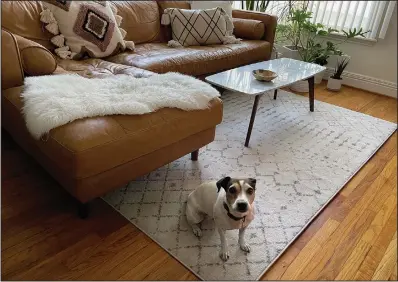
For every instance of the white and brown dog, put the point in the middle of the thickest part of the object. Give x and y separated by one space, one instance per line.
231 207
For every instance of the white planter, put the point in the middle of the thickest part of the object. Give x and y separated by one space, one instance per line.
300 86
290 52
334 84
318 77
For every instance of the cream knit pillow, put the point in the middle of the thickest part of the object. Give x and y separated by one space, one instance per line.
84 28
199 27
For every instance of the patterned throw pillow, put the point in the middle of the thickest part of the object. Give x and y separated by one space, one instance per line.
199 27
84 28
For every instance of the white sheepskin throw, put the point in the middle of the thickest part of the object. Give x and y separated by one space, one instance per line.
52 101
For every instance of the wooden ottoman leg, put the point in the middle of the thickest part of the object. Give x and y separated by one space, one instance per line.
82 210
195 155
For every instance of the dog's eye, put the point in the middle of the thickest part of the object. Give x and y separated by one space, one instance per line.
232 190
250 191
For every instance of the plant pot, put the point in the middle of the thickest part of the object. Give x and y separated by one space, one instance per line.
319 77
334 84
290 52
300 86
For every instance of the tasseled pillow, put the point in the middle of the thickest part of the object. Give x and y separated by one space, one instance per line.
83 28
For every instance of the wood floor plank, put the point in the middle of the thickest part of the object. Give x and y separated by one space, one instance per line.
385 154
379 246
365 243
142 270
389 260
393 276
105 270
277 270
335 252
382 107
57 262
313 246
35 246
166 272
98 254
335 208
377 173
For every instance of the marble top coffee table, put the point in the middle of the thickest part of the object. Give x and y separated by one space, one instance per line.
242 80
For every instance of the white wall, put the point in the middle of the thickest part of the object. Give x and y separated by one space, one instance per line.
374 67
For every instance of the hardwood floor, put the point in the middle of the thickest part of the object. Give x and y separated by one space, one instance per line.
354 238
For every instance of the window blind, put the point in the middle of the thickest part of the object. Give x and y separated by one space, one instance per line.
372 16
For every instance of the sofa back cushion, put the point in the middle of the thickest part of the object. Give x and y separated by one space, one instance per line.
23 18
141 20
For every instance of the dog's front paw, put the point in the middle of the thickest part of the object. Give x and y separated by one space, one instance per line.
245 248
224 256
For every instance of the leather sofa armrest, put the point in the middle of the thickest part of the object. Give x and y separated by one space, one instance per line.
248 29
36 59
11 67
269 21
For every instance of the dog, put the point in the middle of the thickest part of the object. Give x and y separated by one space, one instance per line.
229 202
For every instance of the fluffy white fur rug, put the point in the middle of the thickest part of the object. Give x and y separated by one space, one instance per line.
52 101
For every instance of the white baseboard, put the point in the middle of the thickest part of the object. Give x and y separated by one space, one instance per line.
368 83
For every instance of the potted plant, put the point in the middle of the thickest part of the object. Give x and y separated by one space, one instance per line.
290 33
322 61
305 41
334 82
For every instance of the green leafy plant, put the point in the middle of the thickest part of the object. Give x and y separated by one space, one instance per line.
281 8
252 5
340 67
306 37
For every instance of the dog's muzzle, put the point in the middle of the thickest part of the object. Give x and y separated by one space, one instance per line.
242 206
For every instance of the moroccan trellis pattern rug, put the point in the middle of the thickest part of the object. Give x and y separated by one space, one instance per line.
300 159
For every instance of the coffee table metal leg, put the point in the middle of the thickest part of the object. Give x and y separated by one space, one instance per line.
253 116
275 93
311 81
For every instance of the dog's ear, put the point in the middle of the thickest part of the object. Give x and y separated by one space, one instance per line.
252 182
224 183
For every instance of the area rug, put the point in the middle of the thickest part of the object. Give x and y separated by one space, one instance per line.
300 160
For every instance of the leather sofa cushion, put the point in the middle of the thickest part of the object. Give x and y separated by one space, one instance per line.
141 20
23 18
174 4
100 68
36 60
90 146
248 29
194 60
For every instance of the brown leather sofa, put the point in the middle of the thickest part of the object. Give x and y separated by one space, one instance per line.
92 156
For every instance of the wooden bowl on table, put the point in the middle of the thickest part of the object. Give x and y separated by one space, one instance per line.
264 75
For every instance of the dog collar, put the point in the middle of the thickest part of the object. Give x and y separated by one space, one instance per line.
231 215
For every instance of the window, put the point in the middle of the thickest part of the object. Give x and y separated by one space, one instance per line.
374 16
344 15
